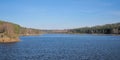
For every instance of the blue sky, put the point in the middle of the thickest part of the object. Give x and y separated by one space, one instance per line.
60 14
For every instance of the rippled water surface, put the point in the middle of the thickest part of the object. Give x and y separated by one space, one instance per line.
62 47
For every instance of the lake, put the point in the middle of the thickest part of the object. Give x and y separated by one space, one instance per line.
63 47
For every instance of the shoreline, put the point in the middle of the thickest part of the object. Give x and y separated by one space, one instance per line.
96 34
9 40
16 39
13 40
86 33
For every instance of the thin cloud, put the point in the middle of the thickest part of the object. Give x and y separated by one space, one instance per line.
115 13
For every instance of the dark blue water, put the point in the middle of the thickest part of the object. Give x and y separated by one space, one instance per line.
63 47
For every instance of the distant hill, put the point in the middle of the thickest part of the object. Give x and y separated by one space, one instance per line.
10 32
103 29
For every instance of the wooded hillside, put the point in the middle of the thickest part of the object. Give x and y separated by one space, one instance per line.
11 32
104 29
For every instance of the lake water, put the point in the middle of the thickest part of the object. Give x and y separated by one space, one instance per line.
63 47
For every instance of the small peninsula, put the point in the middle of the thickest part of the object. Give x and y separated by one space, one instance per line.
10 32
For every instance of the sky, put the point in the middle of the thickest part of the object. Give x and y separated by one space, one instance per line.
60 14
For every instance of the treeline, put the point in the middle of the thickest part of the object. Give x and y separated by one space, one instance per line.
29 31
104 29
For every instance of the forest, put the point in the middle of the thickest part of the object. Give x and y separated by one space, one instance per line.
103 29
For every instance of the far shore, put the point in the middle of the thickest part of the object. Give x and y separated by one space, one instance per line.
94 34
